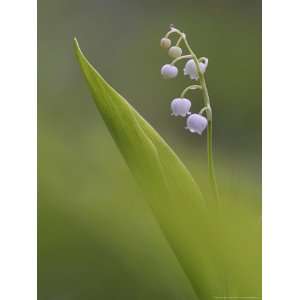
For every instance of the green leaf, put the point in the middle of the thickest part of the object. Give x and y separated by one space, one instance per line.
170 190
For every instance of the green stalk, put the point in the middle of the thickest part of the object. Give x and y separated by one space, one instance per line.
211 169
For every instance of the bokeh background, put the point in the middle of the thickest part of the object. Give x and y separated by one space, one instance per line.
97 236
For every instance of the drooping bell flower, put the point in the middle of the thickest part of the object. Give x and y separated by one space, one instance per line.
180 107
169 71
191 70
196 123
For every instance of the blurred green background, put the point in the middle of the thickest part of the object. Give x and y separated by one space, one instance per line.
97 237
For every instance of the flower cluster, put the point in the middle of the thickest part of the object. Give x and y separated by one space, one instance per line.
195 69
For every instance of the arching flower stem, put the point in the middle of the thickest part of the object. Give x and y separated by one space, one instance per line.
174 30
180 58
179 40
207 109
191 87
211 169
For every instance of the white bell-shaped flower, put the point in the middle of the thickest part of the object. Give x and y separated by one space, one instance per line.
191 70
180 107
196 123
203 65
169 71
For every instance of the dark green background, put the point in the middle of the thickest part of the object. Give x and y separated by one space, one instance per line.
97 237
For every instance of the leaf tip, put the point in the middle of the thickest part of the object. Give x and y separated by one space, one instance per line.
76 44
77 49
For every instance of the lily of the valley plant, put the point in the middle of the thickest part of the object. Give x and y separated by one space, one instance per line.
195 68
195 233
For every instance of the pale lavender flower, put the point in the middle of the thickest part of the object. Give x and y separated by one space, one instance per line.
180 107
196 123
191 70
169 71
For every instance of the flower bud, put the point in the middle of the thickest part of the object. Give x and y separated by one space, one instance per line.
169 71
175 52
196 123
191 70
165 43
180 107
